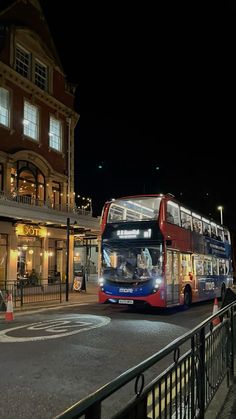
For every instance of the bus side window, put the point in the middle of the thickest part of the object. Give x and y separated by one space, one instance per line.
214 266
172 213
207 266
226 267
169 217
213 231
219 233
226 236
206 229
186 220
221 267
198 262
196 225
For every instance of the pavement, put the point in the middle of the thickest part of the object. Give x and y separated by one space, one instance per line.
228 410
223 405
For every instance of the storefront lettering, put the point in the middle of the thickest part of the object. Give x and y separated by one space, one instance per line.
31 230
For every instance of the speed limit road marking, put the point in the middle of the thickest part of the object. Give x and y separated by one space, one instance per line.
53 329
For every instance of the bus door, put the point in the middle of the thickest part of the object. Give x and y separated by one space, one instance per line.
172 277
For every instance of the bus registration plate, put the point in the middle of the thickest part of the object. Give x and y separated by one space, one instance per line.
126 301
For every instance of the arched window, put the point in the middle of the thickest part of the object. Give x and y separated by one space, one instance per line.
30 181
56 194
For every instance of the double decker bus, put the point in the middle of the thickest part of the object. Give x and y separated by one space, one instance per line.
158 252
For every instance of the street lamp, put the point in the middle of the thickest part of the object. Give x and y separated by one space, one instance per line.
67 256
220 208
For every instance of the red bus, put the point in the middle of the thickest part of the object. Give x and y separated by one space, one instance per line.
158 252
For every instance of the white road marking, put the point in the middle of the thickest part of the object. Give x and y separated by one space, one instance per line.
56 325
59 326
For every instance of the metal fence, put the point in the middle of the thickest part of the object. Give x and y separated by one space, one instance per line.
179 381
30 294
15 199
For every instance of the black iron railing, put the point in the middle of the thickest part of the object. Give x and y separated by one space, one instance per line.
29 294
179 381
17 199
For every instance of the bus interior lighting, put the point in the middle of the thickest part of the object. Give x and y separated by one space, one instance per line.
185 210
196 215
205 220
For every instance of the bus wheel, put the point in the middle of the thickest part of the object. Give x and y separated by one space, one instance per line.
223 291
187 296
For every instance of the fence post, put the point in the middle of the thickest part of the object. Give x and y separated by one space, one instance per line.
60 291
232 343
21 294
202 373
193 348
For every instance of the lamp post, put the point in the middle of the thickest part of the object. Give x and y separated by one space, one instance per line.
220 208
67 256
91 208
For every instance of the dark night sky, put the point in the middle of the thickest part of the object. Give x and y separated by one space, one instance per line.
151 92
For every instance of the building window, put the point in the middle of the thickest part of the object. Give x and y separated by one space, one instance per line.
56 260
13 181
4 107
31 68
41 75
30 182
23 62
56 194
30 260
55 140
31 121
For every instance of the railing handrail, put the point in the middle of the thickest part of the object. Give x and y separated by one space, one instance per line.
109 388
42 204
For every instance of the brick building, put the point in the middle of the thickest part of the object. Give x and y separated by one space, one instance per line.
37 122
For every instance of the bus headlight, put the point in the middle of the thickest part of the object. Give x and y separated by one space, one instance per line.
101 281
157 283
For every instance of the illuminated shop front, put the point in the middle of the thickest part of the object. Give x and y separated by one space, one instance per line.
56 260
30 257
85 254
37 254
30 248
41 253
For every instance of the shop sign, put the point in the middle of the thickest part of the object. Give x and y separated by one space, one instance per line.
30 230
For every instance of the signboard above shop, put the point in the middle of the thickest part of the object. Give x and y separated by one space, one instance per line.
31 230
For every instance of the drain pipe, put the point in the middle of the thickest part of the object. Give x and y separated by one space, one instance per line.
68 120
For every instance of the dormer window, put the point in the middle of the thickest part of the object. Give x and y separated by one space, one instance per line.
4 107
31 67
23 62
41 75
